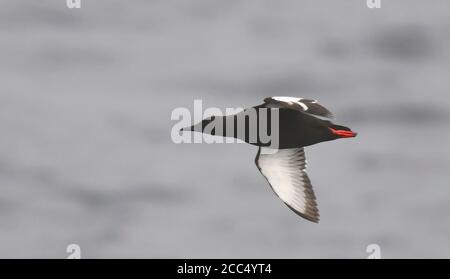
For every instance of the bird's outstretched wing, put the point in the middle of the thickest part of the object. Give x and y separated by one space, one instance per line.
304 105
285 170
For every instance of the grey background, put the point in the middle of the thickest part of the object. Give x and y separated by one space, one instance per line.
86 98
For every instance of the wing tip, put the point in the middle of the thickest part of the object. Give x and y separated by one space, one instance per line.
312 216
330 115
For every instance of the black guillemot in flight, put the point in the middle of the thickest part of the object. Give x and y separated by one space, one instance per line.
300 122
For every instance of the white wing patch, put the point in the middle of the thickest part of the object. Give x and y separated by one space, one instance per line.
311 107
285 171
291 100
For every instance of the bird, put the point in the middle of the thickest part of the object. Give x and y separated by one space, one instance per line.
299 122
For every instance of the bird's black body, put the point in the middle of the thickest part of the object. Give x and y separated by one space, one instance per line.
281 127
296 128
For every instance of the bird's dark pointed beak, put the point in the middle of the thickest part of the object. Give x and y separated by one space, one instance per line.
199 127
343 133
190 128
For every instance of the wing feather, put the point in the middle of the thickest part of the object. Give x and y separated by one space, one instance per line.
285 170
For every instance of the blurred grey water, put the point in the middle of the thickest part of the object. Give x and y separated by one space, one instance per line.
86 156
